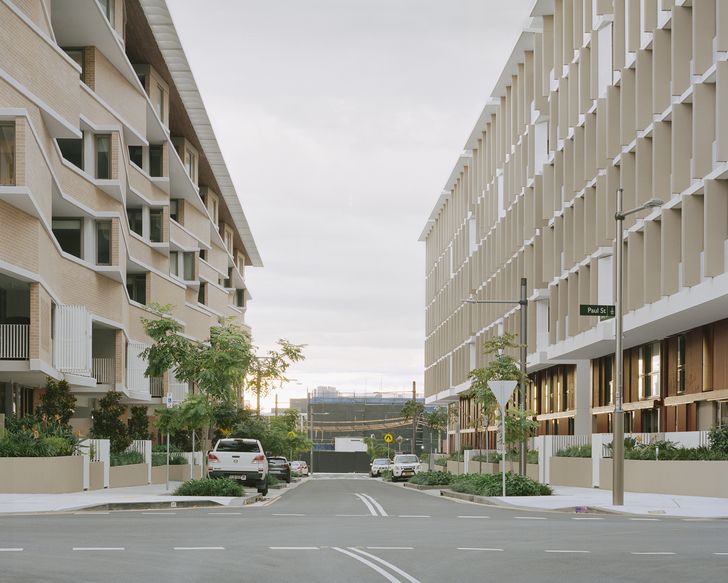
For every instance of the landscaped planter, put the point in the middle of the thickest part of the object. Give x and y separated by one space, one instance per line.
456 468
96 476
477 467
132 475
688 478
41 475
571 471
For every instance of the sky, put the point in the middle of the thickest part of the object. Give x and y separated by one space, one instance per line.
340 122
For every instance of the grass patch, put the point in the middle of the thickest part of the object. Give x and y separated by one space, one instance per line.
210 487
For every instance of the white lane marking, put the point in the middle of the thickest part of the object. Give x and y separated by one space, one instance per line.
288 514
390 548
697 520
645 519
388 576
478 549
98 548
19 549
293 548
376 504
159 513
368 504
473 516
654 553
564 551
718 554
224 513
89 513
585 518
199 548
530 517
386 564
415 516
353 515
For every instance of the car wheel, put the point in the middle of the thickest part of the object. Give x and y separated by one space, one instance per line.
288 479
263 488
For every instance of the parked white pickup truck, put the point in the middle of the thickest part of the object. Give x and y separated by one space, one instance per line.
242 460
404 467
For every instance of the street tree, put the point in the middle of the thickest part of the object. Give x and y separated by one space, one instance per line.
264 371
435 421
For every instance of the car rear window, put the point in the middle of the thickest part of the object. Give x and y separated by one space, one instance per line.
406 459
381 461
238 445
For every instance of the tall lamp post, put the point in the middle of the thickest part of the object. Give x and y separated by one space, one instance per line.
523 317
618 417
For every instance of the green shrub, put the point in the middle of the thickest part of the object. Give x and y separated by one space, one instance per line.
441 461
491 485
138 423
491 457
718 439
27 444
126 458
58 446
175 459
210 487
432 478
669 451
273 480
575 451
106 422
456 456
386 475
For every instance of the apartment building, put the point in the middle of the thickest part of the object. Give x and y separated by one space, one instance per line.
113 195
597 95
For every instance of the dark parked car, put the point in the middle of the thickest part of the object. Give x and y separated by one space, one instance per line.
280 468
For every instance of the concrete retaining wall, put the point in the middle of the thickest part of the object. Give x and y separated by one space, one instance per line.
132 475
96 476
177 473
41 475
688 478
456 468
571 471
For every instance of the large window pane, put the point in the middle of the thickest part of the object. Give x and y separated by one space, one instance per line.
103 156
174 209
174 263
72 150
135 220
155 161
188 272
202 294
136 285
159 102
103 243
7 154
68 235
155 225
136 155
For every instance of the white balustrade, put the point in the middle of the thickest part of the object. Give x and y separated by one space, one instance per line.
104 370
14 341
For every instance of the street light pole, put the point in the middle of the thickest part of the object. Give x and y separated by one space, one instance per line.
618 415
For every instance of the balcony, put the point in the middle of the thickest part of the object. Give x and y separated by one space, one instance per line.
14 341
103 369
156 387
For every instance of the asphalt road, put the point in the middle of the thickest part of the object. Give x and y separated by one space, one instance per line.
335 529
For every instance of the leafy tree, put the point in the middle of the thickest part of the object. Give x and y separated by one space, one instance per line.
375 449
57 406
436 421
107 424
264 371
138 423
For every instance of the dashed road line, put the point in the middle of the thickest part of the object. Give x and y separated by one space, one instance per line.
644 519
390 548
376 504
99 548
353 515
415 516
586 518
90 513
294 548
530 518
653 553
565 551
199 548
224 513
159 513
19 550
479 549
698 520
368 504
288 514
473 516
717 554
386 564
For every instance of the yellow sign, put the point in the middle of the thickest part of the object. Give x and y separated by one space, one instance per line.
389 438
291 434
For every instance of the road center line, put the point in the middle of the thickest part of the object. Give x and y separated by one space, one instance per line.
293 548
564 551
18 550
368 504
98 548
386 564
479 549
376 504
388 576
653 553
199 548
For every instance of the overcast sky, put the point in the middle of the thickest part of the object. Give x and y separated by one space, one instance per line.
340 121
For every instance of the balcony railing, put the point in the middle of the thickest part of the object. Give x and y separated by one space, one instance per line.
104 370
14 344
156 388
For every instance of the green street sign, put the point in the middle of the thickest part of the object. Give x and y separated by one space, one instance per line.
604 311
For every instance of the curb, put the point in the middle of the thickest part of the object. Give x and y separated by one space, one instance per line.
421 487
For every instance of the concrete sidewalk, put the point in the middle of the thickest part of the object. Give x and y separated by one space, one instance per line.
567 498
137 497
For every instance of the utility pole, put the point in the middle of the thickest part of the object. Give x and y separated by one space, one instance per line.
310 431
257 392
414 417
523 312
276 404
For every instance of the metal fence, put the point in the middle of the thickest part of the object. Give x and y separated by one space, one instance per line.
14 341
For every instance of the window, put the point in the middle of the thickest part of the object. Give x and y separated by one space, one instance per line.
174 263
135 220
156 166
174 208
103 156
136 155
681 363
77 56
72 150
143 80
227 281
188 266
159 102
202 294
136 285
649 370
7 153
650 419
190 165
103 242
107 7
240 298
155 225
213 209
68 235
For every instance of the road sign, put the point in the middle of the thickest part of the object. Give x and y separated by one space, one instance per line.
389 438
502 390
291 434
169 400
605 311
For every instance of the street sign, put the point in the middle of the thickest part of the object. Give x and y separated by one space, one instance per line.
502 390
169 400
389 438
605 311
291 434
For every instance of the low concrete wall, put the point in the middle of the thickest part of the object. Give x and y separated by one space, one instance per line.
41 475
688 478
132 475
571 471
177 473
96 476
484 468
456 468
